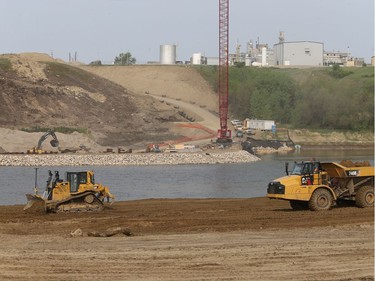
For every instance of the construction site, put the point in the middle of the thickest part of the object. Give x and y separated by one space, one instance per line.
315 222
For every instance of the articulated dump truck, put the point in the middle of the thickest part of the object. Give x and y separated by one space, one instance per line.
318 186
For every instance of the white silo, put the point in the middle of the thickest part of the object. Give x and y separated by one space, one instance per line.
264 56
196 59
167 54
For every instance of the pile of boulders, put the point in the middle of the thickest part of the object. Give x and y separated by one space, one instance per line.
134 159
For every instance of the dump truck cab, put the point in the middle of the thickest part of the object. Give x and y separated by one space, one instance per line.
299 183
316 185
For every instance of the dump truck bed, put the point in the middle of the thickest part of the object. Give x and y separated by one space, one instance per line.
336 170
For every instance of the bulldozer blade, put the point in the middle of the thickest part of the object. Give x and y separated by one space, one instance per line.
35 204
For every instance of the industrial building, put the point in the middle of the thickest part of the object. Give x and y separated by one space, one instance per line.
293 53
333 57
299 53
342 58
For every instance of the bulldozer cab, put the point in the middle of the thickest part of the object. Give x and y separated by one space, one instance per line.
76 179
78 192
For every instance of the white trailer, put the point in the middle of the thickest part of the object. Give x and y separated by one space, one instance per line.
264 125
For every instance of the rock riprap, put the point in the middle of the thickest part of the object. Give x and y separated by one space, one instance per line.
135 159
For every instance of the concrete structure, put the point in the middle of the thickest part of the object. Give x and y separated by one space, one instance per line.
167 54
299 53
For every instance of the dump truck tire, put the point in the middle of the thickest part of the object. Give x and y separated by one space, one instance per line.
320 200
299 205
365 197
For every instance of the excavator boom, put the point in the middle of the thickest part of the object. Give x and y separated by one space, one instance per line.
54 142
38 149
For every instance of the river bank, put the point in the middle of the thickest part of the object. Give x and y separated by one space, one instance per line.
128 159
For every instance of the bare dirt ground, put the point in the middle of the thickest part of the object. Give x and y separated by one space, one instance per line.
186 239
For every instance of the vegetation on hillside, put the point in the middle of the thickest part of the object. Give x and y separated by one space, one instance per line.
5 64
64 71
63 130
314 98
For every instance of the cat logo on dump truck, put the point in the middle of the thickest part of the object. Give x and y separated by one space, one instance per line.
353 173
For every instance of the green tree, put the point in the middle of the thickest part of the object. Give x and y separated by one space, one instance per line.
125 59
329 98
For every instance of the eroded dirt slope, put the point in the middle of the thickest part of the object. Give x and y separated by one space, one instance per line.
176 82
39 91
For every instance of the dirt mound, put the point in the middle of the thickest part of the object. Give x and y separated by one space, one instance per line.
39 91
349 163
177 82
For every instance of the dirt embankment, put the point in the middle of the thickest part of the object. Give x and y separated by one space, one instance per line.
38 91
186 239
176 82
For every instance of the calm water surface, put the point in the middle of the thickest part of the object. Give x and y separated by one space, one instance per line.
178 181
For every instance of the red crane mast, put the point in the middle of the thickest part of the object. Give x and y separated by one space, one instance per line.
224 135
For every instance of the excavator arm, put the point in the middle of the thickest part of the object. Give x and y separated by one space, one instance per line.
54 142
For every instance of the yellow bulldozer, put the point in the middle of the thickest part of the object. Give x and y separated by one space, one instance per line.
78 193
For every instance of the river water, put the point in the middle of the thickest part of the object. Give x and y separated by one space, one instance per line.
177 181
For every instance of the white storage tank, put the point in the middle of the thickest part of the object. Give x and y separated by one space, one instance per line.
167 54
196 59
264 56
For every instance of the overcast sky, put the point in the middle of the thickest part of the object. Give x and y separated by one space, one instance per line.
101 29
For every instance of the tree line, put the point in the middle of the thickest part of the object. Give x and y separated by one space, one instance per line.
314 98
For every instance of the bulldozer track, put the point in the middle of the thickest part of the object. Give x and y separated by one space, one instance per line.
84 202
